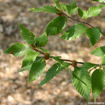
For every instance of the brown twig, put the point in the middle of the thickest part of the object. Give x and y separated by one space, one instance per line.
72 61
98 2
77 20
38 50
67 60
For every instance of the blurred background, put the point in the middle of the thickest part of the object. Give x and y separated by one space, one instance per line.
14 88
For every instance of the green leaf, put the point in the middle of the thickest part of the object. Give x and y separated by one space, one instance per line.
93 34
72 8
101 1
57 3
53 71
82 13
74 32
49 9
98 82
94 11
17 49
63 7
99 51
37 69
27 35
56 26
42 40
82 82
29 58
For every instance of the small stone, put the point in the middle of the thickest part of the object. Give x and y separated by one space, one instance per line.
10 98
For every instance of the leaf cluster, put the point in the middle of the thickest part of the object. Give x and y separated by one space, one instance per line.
87 76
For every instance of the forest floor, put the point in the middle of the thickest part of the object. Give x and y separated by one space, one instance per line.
14 88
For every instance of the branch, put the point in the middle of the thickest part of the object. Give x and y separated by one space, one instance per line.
67 60
77 20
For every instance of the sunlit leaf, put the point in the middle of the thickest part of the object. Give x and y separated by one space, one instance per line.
74 32
94 11
17 49
29 58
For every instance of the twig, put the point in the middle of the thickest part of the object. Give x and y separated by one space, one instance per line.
77 20
67 60
72 61
38 50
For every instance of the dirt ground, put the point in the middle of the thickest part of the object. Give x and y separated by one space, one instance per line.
14 88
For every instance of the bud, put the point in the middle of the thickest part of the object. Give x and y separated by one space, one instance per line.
46 56
74 63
